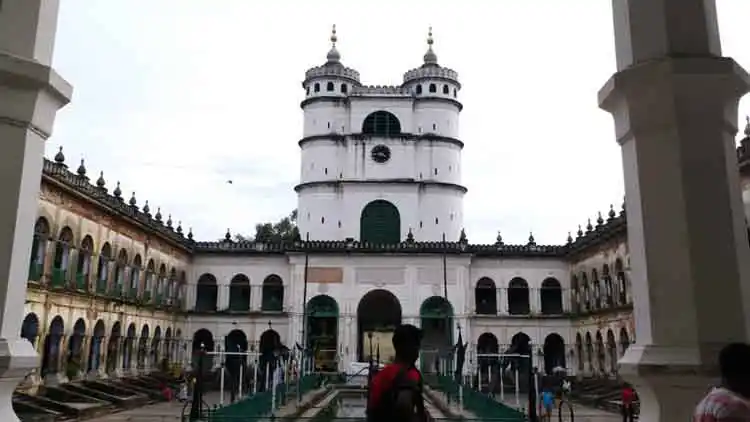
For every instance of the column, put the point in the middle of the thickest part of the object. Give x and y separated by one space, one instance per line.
674 101
30 95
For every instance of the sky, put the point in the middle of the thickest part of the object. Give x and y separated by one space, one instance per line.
175 97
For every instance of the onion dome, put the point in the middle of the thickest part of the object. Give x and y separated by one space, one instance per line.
100 182
410 236
611 214
570 238
462 237
532 242
589 227
599 219
190 234
430 58
169 221
132 201
579 233
179 227
81 169
158 214
333 56
60 157
146 209
499 239
228 236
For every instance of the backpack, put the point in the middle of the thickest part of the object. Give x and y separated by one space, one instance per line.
385 410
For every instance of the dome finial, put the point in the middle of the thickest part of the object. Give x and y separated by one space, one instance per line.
333 56
430 57
334 38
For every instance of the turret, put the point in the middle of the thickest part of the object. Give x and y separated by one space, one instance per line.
435 90
326 88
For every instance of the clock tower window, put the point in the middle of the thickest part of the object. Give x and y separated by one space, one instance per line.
381 123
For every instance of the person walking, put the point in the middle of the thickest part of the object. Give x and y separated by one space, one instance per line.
628 396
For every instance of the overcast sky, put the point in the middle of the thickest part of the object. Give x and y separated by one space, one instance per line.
175 97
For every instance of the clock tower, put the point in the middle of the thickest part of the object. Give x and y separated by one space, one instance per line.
378 162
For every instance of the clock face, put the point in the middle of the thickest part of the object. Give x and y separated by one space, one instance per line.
381 153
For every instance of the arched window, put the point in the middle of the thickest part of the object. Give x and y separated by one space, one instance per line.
239 293
575 294
316 87
272 296
596 291
380 223
148 289
485 297
120 266
83 266
39 249
63 247
433 88
419 89
518 297
102 271
344 88
446 90
381 123
608 288
135 276
330 87
206 294
551 297
622 297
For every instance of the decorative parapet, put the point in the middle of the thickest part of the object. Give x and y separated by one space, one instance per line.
353 246
430 72
79 183
332 70
384 90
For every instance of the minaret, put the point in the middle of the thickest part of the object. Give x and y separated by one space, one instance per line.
380 161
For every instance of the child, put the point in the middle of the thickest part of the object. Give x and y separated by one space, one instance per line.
548 401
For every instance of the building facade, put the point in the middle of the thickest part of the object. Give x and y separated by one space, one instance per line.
115 289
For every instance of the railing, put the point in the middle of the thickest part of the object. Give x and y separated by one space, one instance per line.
484 407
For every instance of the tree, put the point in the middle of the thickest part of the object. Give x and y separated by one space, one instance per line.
285 230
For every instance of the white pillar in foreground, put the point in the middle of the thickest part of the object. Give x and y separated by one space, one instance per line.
674 101
30 95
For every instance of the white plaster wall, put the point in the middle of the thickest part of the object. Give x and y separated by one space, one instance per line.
401 107
351 159
323 117
436 117
429 211
425 83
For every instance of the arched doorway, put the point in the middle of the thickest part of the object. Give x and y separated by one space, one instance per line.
270 348
520 344
235 341
554 353
154 352
601 366
239 293
113 347
378 314
518 297
589 353
485 297
143 347
322 331
206 293
487 344
612 348
203 340
74 362
51 357
96 346
436 315
624 340
579 351
380 223
30 328
551 297
129 347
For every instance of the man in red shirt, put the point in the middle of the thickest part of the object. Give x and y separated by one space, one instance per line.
396 391
628 396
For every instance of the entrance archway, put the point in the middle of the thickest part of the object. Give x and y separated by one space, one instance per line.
74 363
487 344
554 353
380 223
96 345
235 342
436 315
378 312
50 359
322 331
203 340
113 347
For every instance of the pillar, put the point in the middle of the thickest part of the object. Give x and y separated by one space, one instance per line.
674 101
30 95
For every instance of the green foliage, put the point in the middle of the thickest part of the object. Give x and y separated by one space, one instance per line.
284 230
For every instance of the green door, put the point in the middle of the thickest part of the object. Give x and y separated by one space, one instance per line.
380 223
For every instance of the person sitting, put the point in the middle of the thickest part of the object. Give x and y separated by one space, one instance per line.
729 402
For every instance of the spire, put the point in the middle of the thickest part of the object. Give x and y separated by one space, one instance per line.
333 56
430 58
